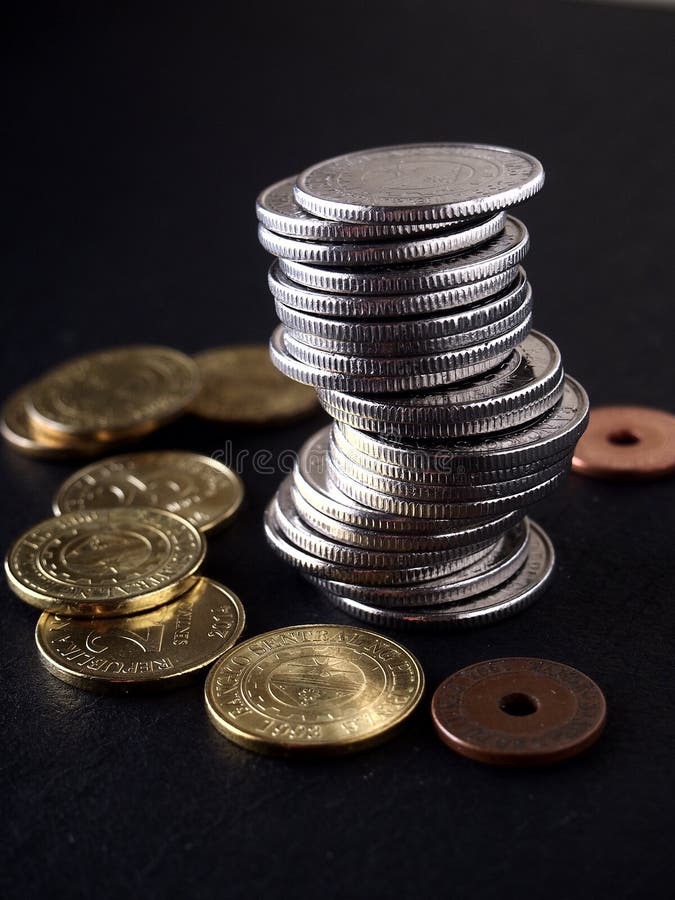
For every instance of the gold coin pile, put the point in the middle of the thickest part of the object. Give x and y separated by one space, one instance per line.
116 570
94 403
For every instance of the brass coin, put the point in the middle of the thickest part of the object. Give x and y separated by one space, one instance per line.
198 488
313 689
17 429
241 386
119 393
626 443
159 649
105 562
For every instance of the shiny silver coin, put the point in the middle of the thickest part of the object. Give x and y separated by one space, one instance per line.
502 252
525 386
514 595
553 434
452 542
441 469
314 554
407 330
451 492
310 479
277 210
398 366
418 183
364 384
501 563
430 346
383 253
375 306
398 505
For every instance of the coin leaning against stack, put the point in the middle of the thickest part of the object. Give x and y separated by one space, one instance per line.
402 299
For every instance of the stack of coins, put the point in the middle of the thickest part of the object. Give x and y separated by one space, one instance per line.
116 572
402 298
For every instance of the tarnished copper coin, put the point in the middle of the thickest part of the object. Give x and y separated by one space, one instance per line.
626 442
518 712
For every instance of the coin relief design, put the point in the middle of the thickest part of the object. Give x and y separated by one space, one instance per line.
105 562
313 688
241 386
198 488
114 393
418 182
161 648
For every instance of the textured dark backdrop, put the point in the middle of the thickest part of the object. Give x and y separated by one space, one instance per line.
138 137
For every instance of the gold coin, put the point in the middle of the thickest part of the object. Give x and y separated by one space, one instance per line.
241 386
159 649
105 562
18 431
198 488
313 689
119 393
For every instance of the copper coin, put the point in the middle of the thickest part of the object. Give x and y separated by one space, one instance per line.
626 442
518 712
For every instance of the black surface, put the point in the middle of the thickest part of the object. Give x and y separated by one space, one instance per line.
138 138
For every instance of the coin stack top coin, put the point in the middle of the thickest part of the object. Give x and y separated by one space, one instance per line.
402 298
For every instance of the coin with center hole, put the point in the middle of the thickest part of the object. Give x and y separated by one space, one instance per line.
518 712
626 442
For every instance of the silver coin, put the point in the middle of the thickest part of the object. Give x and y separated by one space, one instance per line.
502 252
418 183
440 468
310 479
430 346
419 509
503 561
553 434
314 554
277 210
521 590
292 294
395 367
451 492
525 386
399 329
363 384
383 253
383 541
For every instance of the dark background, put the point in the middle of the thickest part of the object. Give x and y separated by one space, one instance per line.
138 136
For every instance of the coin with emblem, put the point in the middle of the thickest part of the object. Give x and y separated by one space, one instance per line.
198 488
313 689
240 386
113 394
105 562
163 648
418 182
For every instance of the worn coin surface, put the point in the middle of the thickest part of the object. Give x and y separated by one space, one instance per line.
518 711
313 689
160 649
241 386
198 488
626 442
507 599
113 394
383 253
105 562
17 429
374 306
277 210
418 182
504 251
